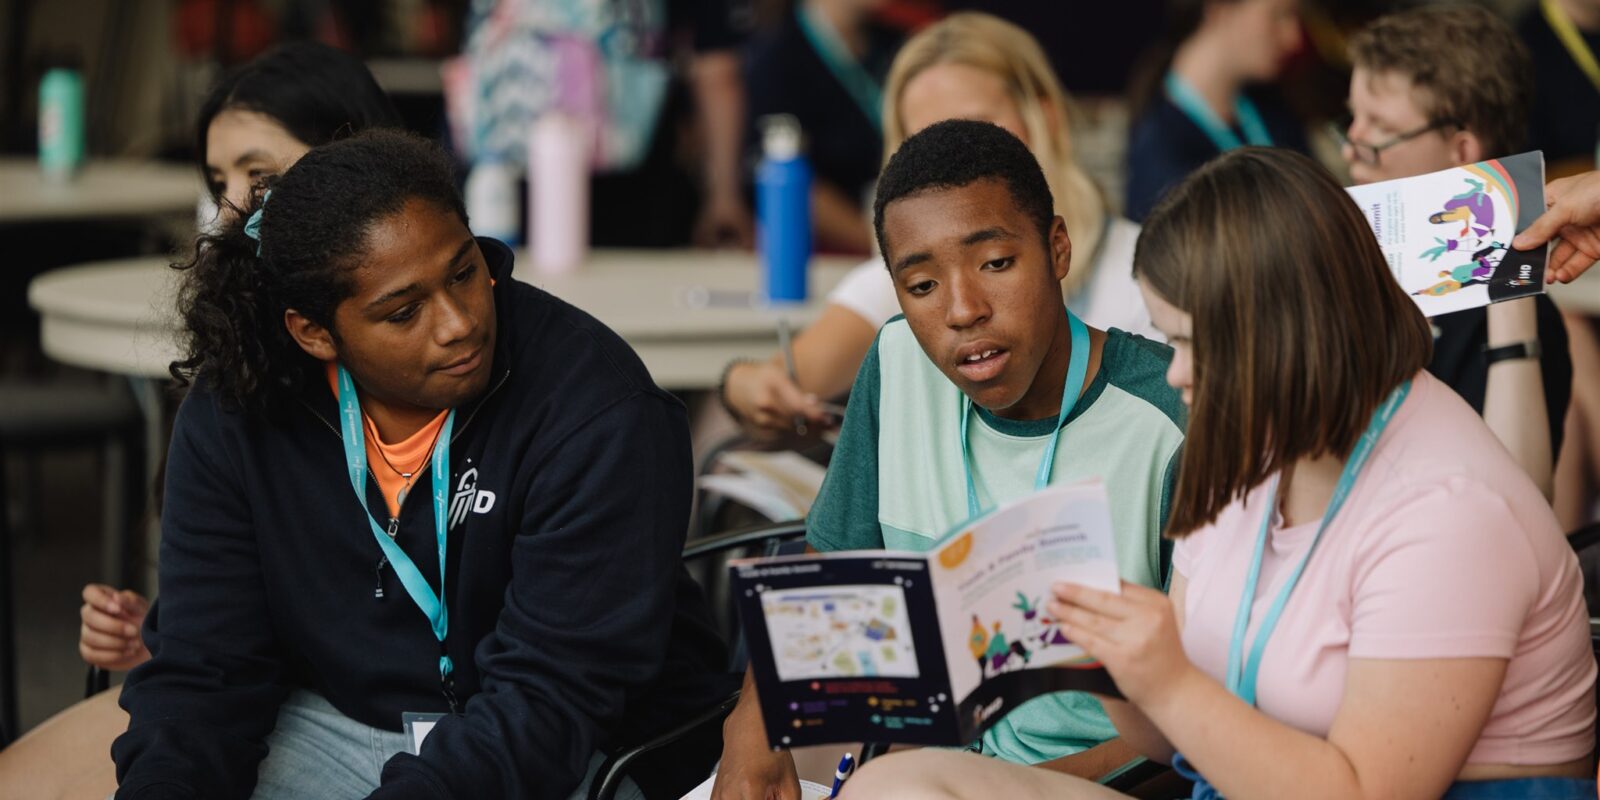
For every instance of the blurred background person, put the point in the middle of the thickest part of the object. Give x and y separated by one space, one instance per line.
1204 92
825 64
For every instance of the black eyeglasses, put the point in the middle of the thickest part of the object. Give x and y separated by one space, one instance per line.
1369 153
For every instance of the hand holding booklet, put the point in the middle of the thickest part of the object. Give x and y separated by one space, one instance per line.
1447 235
926 648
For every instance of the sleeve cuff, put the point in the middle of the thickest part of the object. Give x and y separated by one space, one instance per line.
1455 645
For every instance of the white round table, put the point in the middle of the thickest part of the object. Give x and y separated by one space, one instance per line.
118 316
106 189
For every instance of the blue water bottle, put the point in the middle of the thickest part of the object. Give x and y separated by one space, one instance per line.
783 210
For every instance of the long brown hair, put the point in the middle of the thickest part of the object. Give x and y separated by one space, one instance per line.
1300 329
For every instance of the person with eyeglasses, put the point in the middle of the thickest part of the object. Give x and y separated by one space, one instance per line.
1424 98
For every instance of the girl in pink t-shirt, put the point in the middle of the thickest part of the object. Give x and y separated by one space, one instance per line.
1369 597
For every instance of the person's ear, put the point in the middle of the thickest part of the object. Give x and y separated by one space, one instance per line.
316 340
1060 249
1466 147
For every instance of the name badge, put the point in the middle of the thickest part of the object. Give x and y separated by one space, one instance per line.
418 726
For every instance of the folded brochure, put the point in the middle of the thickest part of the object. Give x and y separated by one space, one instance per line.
1447 235
926 648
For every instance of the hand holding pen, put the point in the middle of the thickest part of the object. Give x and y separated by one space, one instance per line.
786 344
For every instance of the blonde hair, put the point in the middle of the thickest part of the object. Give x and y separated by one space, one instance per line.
1006 51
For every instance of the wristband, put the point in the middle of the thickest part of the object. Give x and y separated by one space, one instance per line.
722 387
1512 352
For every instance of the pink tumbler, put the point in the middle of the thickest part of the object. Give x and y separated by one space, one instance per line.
558 192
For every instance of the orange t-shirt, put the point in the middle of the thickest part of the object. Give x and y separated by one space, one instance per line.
410 454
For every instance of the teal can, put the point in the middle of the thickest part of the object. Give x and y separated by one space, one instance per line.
61 131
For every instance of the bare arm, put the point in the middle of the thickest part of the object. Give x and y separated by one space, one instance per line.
1403 730
719 98
827 355
1094 762
749 769
1513 401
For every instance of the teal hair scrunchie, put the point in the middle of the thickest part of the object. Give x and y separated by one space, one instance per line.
252 226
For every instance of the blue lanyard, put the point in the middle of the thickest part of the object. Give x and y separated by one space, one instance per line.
846 69
1242 679
1076 370
1190 103
355 457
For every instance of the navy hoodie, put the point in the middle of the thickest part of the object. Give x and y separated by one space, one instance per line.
573 625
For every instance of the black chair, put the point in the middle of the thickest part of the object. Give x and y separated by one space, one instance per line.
48 415
707 557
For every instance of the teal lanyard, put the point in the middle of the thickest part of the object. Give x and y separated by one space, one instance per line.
1242 680
1077 369
1190 103
355 457
846 69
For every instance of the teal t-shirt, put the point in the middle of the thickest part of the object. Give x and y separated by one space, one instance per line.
896 482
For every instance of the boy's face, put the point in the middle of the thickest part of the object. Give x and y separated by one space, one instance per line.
1385 105
981 289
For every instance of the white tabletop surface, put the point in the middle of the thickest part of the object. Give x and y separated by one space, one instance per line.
102 189
118 316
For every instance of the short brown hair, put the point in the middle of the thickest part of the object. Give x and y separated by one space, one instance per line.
1300 330
1474 70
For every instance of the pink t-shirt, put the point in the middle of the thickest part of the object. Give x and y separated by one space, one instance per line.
1444 549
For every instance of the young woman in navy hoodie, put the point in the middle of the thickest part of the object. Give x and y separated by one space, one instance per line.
405 483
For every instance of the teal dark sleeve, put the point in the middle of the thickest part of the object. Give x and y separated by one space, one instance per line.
845 516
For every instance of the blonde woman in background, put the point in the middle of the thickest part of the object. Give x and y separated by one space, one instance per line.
967 66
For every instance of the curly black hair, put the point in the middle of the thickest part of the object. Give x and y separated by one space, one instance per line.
956 153
313 229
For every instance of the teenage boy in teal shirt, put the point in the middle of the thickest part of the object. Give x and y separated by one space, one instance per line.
984 347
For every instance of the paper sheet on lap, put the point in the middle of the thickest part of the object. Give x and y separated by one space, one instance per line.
808 790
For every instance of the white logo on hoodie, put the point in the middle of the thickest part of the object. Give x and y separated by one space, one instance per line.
469 497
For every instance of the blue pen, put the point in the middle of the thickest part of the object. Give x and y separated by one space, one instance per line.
847 765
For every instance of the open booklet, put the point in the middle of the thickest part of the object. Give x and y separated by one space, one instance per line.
1447 235
926 648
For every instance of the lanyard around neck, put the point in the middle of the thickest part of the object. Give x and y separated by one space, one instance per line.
1242 672
845 67
1194 107
355 456
1572 39
1077 369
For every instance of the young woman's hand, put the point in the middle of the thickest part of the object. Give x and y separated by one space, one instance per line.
1134 634
1574 216
109 635
769 405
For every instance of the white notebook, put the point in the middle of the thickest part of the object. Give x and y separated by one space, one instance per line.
808 790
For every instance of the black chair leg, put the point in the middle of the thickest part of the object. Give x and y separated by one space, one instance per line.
8 634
